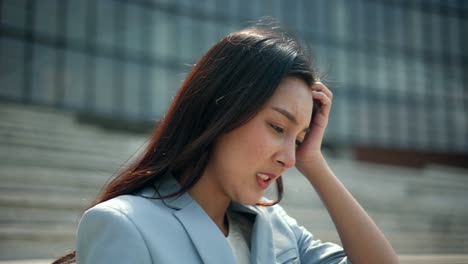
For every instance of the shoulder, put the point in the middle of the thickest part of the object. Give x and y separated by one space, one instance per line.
108 229
136 209
129 204
126 210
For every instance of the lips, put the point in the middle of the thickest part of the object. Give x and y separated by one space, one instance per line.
263 176
264 179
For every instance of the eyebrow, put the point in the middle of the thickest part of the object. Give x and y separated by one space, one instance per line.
289 116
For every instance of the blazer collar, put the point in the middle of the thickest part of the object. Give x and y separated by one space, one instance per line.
206 237
262 249
168 187
210 242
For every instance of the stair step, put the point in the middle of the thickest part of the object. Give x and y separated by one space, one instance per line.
38 232
65 200
17 154
37 241
434 259
36 114
54 138
386 221
378 196
36 176
31 215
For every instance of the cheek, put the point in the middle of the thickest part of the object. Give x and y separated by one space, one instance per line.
248 146
259 143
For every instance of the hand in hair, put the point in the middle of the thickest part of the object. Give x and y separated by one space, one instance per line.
346 213
310 149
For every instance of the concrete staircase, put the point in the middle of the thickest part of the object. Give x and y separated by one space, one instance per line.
420 211
52 167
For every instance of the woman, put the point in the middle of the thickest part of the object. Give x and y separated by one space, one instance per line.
250 109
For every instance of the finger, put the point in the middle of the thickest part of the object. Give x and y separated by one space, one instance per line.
320 87
325 102
322 97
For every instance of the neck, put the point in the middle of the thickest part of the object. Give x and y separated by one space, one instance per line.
212 200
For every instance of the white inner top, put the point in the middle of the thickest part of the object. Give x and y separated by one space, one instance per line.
240 230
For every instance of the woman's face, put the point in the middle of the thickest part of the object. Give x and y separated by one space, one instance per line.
248 159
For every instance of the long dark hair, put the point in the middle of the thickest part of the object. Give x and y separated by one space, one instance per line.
225 89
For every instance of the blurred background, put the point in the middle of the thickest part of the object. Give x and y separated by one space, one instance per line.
83 82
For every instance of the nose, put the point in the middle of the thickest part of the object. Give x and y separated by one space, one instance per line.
286 157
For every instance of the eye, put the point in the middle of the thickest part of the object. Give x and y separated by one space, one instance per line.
278 129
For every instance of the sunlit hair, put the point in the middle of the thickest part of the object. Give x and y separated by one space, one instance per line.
224 90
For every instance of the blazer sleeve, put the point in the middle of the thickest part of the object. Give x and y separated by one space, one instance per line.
311 250
107 235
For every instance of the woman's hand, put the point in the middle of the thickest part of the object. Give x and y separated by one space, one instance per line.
310 149
351 221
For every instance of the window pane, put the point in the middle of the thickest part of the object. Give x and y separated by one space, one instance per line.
360 126
159 82
213 34
210 7
76 20
75 81
277 11
105 23
461 126
404 138
384 122
185 40
43 77
132 90
315 17
46 17
11 68
164 35
439 42
120 25
289 9
266 8
14 13
226 9
105 93
245 11
134 27
199 40
392 19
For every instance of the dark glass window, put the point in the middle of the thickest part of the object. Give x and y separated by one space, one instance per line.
76 21
43 74
11 68
46 17
14 13
75 79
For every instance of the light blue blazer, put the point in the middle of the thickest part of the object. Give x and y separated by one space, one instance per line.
137 229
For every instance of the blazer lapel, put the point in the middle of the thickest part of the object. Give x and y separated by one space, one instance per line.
211 244
262 247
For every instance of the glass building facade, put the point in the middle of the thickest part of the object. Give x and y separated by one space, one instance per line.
398 68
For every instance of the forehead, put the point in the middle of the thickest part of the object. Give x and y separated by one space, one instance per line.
295 96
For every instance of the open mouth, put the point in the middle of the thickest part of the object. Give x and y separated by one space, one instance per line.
264 177
263 180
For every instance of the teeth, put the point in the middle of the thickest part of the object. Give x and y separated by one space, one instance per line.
263 176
